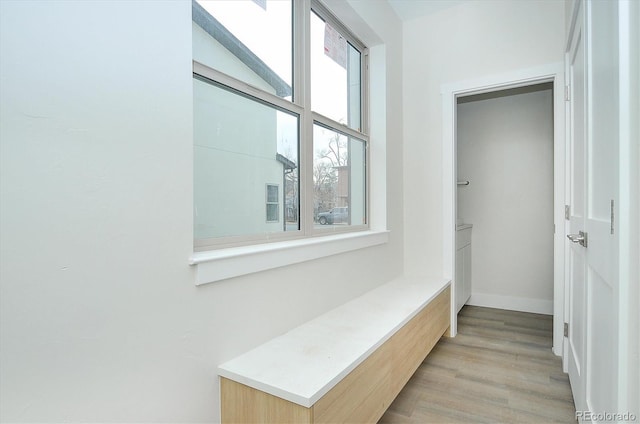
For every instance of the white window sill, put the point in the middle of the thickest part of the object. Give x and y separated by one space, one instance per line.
216 265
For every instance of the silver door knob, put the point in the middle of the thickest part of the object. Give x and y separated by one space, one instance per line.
581 238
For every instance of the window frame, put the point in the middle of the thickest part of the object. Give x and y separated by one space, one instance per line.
300 105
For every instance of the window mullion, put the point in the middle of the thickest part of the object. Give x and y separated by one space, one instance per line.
336 126
220 78
364 92
300 46
303 61
365 119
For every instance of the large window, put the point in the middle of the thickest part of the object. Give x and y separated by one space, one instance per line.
280 148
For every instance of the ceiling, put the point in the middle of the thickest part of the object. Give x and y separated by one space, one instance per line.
411 9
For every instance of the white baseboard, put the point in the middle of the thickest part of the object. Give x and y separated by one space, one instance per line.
512 303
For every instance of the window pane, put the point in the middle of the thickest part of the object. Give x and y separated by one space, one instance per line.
240 147
272 213
339 180
272 193
249 40
335 75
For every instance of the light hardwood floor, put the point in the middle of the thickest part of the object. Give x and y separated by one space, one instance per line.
498 369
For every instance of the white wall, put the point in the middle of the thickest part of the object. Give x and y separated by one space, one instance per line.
467 41
505 149
99 316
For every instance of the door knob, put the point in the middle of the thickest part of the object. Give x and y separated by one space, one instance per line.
581 238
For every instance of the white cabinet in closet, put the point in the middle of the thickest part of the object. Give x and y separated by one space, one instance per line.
463 265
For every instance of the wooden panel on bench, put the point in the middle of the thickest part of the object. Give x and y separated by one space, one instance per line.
244 404
362 396
413 342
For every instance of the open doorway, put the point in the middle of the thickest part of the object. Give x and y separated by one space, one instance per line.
504 199
553 74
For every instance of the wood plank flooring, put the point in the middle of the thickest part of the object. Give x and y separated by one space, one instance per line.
498 369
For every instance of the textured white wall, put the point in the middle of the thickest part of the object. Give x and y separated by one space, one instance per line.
99 316
468 41
505 149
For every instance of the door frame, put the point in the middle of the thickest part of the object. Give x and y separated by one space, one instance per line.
554 73
629 216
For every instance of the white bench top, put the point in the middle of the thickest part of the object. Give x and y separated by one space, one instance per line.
305 363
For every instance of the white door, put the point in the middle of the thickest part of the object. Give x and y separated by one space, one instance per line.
576 201
593 187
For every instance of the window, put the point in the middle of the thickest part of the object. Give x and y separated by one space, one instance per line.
270 131
339 177
273 203
335 74
240 144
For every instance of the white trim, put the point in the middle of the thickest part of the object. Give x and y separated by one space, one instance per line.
572 38
512 303
377 146
216 265
551 72
628 213
559 186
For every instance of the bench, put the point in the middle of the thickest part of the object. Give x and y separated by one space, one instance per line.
347 365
